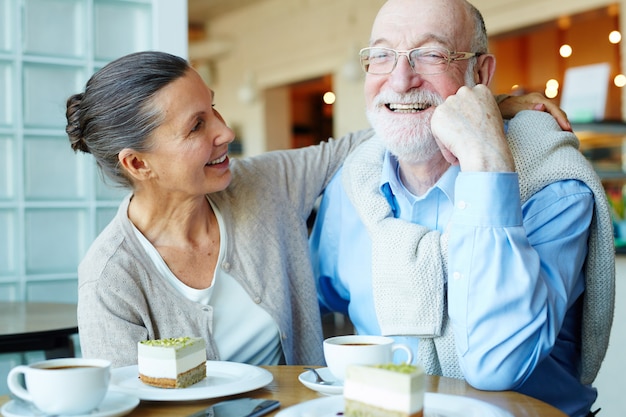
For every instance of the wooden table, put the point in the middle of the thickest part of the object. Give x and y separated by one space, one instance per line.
289 391
26 326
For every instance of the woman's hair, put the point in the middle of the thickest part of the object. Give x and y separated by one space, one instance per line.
116 109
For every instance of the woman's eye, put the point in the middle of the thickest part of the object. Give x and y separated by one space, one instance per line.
197 126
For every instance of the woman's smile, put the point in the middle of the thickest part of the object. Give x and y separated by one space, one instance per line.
219 160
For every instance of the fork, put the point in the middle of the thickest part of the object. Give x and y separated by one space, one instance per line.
318 378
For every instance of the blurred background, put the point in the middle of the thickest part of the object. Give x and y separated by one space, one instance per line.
286 74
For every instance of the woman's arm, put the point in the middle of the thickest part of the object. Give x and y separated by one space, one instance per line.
511 105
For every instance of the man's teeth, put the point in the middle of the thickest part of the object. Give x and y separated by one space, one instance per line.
218 161
408 108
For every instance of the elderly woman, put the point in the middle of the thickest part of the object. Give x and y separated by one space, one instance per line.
202 246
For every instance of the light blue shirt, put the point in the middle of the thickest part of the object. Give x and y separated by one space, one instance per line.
515 275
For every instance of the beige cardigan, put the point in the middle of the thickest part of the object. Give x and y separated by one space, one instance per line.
122 300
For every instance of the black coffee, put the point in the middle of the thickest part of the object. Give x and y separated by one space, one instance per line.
358 344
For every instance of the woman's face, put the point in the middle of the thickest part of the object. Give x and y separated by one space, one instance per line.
189 148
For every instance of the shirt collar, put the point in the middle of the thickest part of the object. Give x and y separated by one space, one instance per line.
390 184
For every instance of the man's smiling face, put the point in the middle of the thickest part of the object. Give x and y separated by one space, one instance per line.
400 104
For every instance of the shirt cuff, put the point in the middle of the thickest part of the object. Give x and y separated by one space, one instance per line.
487 199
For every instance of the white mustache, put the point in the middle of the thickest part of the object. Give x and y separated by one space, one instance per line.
420 98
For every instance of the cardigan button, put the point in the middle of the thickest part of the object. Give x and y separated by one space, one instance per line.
226 266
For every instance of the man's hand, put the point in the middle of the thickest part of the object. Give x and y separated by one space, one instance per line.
469 130
512 105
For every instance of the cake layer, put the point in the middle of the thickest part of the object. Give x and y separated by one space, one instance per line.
172 348
382 396
391 388
359 409
168 358
183 380
170 368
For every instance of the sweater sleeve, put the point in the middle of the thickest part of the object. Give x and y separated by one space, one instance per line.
110 322
299 175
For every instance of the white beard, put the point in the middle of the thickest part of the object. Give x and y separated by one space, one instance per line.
410 139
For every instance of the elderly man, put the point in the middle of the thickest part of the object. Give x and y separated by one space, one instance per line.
490 243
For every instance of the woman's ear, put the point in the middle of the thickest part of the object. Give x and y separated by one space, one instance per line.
485 69
135 164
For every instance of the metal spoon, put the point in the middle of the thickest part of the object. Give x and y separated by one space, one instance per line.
318 378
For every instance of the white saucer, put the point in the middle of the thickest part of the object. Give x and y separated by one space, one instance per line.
308 379
434 405
115 404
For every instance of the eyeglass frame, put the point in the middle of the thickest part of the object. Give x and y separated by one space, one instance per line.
451 56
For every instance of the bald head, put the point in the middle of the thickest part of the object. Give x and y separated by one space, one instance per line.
455 23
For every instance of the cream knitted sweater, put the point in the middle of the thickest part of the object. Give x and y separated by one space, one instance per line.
416 304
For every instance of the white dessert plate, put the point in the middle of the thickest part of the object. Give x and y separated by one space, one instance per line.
435 405
308 380
223 378
115 404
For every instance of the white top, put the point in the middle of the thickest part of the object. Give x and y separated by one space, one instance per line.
243 331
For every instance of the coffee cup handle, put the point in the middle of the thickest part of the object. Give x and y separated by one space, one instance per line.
15 386
406 349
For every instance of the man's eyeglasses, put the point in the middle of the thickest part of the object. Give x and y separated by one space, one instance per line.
425 61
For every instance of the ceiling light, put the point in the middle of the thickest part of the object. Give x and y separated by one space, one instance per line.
551 92
552 84
329 97
565 51
615 37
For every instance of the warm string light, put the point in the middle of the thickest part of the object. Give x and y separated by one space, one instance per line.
552 88
565 51
620 80
329 97
615 37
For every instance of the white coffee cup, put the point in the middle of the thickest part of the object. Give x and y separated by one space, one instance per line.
62 386
341 351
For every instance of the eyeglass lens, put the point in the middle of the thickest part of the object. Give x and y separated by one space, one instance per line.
424 61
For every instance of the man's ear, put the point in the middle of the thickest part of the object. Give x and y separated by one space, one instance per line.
134 164
485 69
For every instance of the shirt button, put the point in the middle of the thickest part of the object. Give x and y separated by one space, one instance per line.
461 205
226 266
207 309
457 275
257 300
